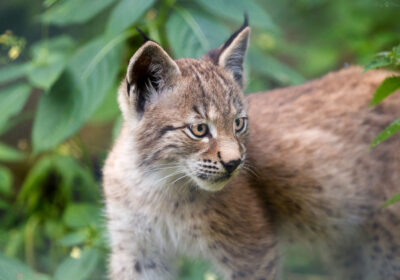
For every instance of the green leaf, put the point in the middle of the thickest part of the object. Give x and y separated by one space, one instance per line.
76 95
392 200
192 34
12 269
126 13
235 9
379 61
15 241
386 88
74 11
30 193
10 154
14 71
75 238
109 110
269 66
78 268
81 215
12 100
388 132
3 206
49 60
73 178
116 130
6 180
195 270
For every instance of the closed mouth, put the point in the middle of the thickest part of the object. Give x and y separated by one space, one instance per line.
205 177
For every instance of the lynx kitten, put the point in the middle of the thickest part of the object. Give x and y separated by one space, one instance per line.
200 170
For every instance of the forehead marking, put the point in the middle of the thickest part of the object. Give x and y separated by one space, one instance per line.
222 79
198 112
204 100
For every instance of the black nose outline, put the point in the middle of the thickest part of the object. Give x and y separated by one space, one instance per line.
230 166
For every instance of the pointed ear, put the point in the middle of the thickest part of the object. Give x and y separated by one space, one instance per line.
151 70
232 53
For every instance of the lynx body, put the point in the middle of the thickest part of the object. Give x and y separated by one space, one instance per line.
201 171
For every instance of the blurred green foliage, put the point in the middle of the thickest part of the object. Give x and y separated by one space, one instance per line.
391 60
61 63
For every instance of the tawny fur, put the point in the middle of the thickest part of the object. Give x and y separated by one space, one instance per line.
308 176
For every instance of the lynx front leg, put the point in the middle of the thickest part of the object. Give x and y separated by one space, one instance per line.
135 253
131 266
252 261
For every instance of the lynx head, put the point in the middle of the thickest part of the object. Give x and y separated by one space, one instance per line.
188 117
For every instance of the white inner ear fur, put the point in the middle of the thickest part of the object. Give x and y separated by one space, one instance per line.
159 63
153 60
233 56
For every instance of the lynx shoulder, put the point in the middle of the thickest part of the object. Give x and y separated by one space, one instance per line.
199 170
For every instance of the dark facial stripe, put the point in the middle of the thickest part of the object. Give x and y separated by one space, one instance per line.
224 81
203 93
197 111
167 128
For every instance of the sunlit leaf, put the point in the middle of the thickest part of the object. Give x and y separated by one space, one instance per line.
126 13
74 11
76 95
12 269
386 88
192 34
49 60
234 10
79 268
388 132
392 200
377 62
12 100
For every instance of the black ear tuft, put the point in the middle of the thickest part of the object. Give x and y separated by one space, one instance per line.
231 54
145 37
150 71
236 33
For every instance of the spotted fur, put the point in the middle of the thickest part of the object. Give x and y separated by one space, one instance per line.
301 172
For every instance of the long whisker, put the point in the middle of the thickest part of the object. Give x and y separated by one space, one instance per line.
168 176
185 175
249 168
158 168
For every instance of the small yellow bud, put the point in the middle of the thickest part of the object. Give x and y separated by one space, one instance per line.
210 276
75 253
14 52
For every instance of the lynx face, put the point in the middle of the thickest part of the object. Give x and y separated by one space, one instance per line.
188 117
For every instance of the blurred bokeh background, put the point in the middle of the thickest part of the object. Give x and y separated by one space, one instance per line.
60 65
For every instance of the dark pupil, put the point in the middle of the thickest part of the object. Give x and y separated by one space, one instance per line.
200 128
237 122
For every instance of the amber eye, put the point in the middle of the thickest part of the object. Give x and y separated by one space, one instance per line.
199 130
240 124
